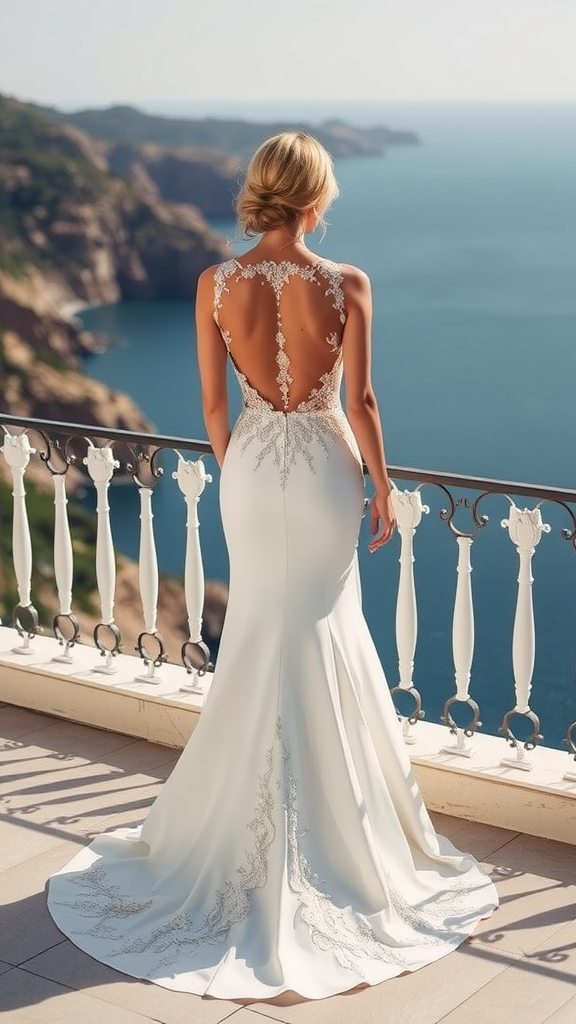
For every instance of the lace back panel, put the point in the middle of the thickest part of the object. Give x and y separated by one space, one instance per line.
323 391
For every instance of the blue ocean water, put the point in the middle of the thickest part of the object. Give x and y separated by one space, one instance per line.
470 243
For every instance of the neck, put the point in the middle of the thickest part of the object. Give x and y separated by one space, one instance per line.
282 238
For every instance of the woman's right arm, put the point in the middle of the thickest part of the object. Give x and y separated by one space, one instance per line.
361 405
212 361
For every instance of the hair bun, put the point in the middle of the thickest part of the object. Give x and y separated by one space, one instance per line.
289 174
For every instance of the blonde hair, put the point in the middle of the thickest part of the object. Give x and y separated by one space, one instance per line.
288 175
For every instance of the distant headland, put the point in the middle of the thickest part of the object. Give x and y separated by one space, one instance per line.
230 135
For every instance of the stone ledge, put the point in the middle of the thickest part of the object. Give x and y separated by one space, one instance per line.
540 802
159 712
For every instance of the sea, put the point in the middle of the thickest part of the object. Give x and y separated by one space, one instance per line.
469 239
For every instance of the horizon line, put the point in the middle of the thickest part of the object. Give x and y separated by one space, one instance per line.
144 104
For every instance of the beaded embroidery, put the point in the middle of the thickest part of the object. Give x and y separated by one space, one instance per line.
182 930
339 931
277 275
346 933
287 437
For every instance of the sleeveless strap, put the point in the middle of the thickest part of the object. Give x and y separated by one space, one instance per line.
278 275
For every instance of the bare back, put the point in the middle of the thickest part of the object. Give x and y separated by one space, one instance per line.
282 323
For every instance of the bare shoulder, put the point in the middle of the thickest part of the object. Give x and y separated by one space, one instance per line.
356 283
205 287
206 278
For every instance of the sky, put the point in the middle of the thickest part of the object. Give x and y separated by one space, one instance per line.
74 53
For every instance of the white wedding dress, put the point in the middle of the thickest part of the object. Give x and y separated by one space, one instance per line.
290 848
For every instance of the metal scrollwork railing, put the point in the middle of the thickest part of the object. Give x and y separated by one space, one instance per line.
525 527
108 455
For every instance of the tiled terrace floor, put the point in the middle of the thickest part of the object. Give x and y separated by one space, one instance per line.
60 783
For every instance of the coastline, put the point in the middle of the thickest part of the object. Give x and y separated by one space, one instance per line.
69 310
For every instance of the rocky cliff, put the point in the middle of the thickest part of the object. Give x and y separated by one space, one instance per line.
71 232
62 211
207 178
185 160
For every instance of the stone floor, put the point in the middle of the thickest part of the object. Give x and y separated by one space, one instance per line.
60 783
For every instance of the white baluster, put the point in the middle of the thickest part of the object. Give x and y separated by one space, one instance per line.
463 625
17 451
148 563
148 580
63 563
101 465
408 509
192 479
525 528
462 639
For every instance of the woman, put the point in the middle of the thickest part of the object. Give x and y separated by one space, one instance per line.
290 849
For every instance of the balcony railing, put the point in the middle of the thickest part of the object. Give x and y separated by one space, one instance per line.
104 455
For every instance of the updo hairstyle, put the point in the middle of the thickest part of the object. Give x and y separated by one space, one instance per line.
288 175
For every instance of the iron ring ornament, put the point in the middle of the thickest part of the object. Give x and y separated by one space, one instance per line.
64 624
158 659
514 742
417 712
30 631
196 657
472 726
114 634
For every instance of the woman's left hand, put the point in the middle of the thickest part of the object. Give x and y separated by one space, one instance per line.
382 517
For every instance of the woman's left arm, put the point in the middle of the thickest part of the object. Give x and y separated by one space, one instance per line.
212 363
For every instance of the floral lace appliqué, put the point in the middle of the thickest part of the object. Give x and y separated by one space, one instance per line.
278 275
287 438
347 934
100 900
341 932
284 380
